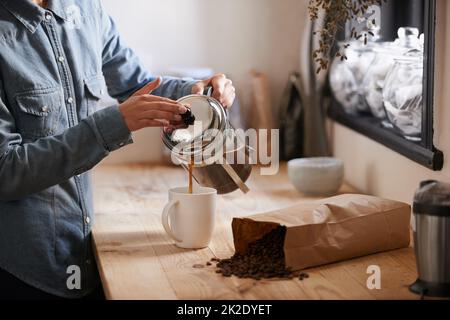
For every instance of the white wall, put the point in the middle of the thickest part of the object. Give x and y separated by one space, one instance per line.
230 36
375 169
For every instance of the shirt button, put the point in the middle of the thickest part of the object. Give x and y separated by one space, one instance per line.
70 100
102 92
61 59
88 220
88 261
44 109
48 17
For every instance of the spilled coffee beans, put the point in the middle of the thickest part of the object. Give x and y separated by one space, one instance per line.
264 259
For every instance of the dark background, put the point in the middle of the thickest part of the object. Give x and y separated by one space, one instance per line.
401 13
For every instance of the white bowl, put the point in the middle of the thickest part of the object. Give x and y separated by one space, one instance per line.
316 176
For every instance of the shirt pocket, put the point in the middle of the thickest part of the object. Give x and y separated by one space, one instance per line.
39 111
96 93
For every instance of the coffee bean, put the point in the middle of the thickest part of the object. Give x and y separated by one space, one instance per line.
303 276
208 263
188 118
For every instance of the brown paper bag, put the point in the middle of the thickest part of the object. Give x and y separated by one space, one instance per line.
331 230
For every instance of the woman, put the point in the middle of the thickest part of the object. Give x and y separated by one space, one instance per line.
57 60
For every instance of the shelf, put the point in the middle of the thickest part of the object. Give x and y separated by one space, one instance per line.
372 128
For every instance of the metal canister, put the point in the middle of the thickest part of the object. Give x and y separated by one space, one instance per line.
432 239
220 159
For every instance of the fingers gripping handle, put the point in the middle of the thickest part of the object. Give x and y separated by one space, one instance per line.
167 212
208 91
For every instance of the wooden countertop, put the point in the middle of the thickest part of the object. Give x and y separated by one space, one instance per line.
137 260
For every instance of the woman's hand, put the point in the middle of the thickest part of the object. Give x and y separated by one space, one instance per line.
144 110
223 89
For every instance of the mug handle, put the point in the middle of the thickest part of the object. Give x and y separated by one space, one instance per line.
167 212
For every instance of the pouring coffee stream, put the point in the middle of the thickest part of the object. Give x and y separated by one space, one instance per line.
189 120
208 133
191 184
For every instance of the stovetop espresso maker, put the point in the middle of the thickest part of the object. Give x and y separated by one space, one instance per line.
220 158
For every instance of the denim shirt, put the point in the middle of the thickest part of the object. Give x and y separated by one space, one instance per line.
57 65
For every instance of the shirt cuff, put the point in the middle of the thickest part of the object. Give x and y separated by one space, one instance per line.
110 128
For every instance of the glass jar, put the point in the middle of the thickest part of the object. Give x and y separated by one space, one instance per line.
374 80
385 54
402 95
346 75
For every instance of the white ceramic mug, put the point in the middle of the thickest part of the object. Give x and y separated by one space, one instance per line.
189 218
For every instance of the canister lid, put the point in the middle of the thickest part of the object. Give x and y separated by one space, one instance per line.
432 198
207 120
